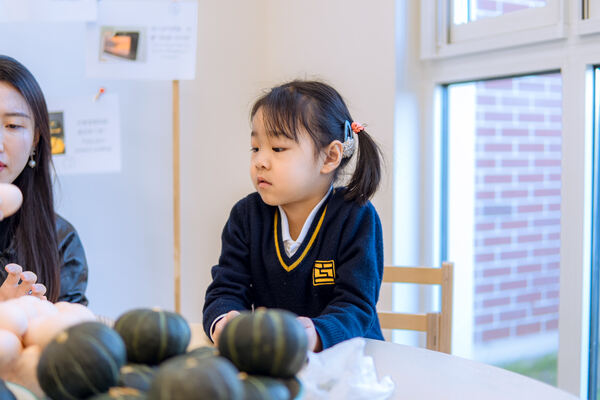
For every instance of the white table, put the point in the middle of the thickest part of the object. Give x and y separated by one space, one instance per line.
424 374
419 373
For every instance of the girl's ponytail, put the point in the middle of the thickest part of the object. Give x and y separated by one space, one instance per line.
367 172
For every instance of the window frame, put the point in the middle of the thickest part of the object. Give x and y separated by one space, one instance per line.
588 22
574 62
443 39
595 251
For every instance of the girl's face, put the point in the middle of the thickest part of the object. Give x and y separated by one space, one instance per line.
285 172
16 133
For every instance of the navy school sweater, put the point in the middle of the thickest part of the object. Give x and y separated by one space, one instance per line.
334 277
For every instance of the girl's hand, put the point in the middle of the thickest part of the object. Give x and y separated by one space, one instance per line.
314 341
221 324
11 287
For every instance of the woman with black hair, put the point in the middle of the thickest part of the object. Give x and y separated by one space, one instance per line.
45 244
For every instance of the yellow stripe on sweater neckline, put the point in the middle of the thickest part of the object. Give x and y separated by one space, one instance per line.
306 249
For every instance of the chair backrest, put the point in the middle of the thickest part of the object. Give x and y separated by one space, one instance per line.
438 326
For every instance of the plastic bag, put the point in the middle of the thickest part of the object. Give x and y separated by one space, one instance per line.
344 372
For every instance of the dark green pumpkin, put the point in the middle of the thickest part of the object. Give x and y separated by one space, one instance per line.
82 361
266 342
203 352
152 336
294 386
137 376
120 393
264 388
184 377
5 393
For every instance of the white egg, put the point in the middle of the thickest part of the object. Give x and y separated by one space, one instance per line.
23 371
11 199
32 306
75 309
27 304
13 319
45 307
43 329
10 348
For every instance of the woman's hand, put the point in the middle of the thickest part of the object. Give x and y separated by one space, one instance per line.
221 324
11 288
314 341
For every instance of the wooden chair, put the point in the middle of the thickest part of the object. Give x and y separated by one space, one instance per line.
438 326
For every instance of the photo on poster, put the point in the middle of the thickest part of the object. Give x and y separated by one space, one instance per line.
57 133
85 134
156 41
122 44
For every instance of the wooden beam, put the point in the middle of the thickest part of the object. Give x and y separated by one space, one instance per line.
421 275
176 200
413 322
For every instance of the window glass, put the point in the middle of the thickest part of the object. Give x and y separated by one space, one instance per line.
473 10
594 377
504 152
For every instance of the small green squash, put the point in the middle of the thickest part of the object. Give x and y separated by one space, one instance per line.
295 387
121 393
81 361
184 377
5 393
203 352
137 376
264 388
152 336
266 342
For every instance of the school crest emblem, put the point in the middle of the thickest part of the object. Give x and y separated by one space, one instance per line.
324 273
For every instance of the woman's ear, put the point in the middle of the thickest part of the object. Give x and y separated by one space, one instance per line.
333 157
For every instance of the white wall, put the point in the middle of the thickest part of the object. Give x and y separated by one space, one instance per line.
349 44
124 218
408 232
215 135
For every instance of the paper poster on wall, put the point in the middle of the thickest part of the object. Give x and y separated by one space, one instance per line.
48 10
153 41
85 135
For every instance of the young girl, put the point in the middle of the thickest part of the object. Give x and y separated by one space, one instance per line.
43 243
299 243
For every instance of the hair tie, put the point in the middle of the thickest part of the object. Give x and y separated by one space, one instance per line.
357 127
349 143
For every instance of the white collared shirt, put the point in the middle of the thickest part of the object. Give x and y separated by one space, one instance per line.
292 245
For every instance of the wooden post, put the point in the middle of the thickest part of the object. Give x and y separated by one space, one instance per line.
176 199
447 304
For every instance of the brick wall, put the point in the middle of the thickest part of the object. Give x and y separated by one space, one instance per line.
517 206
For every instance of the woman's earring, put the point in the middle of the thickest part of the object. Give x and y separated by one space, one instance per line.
32 162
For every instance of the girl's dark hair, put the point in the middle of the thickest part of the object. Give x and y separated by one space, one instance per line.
321 111
33 226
